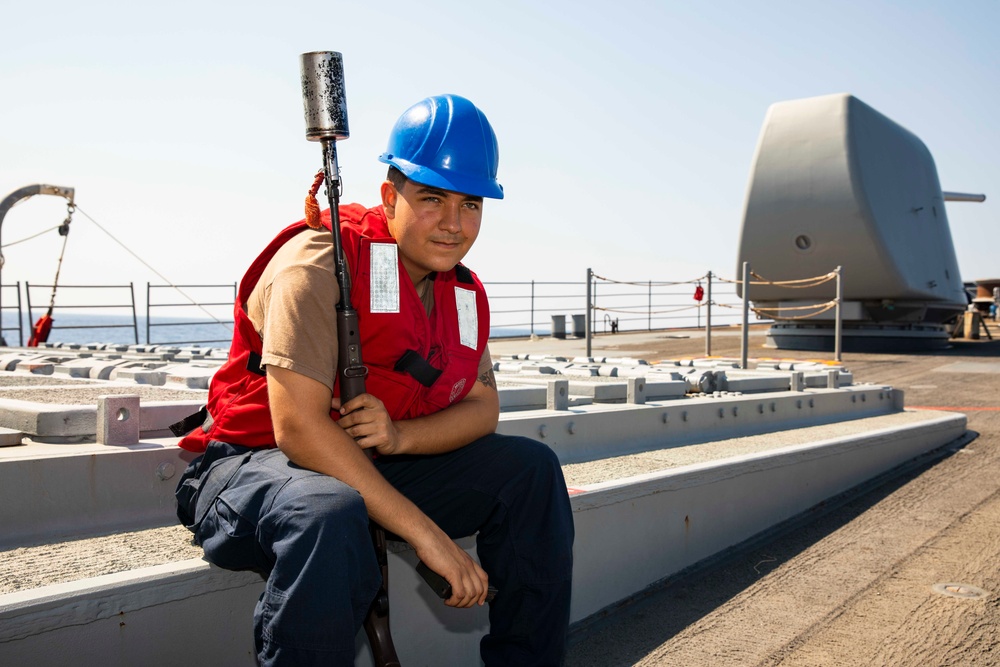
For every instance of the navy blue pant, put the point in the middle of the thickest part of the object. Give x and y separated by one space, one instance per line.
307 534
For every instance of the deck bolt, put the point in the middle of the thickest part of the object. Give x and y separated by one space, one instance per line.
165 471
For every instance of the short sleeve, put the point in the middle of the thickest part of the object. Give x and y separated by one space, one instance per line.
299 330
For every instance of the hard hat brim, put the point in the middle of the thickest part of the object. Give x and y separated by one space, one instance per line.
444 180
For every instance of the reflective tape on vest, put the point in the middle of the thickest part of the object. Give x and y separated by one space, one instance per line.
468 317
384 267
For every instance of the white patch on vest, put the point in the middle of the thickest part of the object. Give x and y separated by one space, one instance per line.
456 389
385 278
468 318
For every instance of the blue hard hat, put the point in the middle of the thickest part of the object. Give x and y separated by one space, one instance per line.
446 142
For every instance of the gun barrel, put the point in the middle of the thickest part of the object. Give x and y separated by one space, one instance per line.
963 196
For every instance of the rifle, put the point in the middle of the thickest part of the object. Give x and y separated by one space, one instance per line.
326 121
325 103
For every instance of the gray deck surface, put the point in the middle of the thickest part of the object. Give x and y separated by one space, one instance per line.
850 584
71 560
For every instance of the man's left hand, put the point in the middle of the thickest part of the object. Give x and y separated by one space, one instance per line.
365 419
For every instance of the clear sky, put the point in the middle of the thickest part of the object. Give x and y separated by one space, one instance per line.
626 128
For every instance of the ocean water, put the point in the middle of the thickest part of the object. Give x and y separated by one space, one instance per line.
85 327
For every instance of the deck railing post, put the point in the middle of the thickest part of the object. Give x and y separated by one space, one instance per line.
532 307
590 311
744 343
708 317
135 321
839 328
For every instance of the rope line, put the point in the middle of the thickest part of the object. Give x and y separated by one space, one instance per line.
160 275
650 312
693 281
828 305
781 308
801 283
28 238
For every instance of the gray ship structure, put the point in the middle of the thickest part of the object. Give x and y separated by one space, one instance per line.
836 183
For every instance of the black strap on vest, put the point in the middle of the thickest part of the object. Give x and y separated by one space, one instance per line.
419 368
253 364
463 275
189 423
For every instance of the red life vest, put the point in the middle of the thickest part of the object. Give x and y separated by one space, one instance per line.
443 349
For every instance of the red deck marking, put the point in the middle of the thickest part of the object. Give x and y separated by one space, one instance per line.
953 408
574 492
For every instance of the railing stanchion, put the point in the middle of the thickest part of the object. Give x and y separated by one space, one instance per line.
135 322
532 307
839 328
744 343
708 318
589 318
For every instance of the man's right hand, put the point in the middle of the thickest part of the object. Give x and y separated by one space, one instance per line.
468 580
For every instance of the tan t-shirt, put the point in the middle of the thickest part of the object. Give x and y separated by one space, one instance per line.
292 308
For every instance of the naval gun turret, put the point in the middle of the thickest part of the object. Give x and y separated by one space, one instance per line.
836 183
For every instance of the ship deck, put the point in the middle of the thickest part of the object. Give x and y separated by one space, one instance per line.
863 579
900 570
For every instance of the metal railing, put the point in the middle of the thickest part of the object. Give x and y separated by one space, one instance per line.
523 307
20 330
224 327
518 308
90 304
530 307
102 306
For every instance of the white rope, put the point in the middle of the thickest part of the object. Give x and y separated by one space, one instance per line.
693 281
148 266
28 238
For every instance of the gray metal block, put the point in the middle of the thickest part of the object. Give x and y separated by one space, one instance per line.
118 419
833 379
557 396
797 381
636 391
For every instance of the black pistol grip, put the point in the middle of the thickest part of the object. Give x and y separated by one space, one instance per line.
440 585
